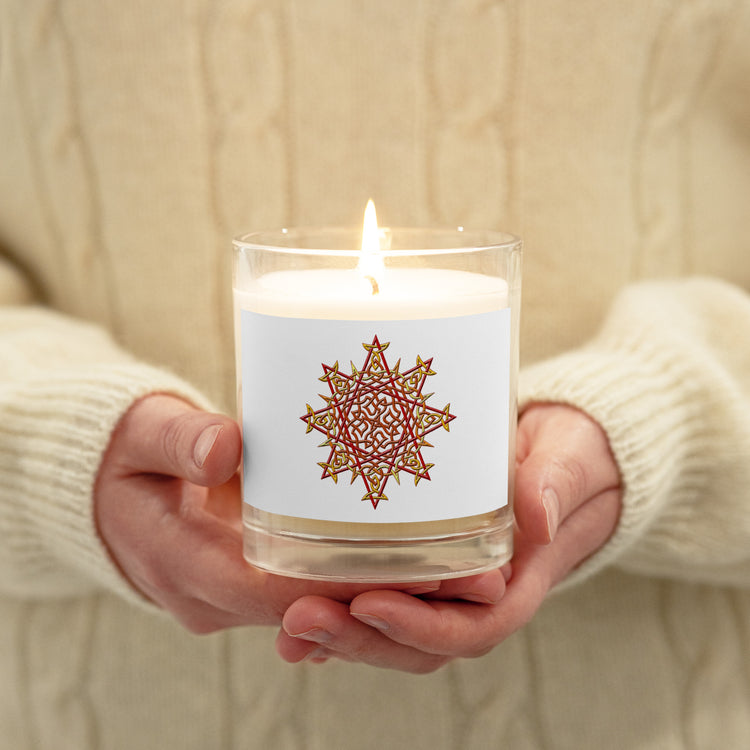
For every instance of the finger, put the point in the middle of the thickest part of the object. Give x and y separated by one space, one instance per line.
457 629
314 622
165 435
485 588
566 460
442 628
583 533
295 650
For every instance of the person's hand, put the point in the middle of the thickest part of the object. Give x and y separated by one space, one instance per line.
567 504
167 506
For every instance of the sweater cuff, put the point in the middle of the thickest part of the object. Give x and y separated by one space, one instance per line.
55 532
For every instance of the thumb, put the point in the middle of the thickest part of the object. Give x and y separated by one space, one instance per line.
163 434
566 461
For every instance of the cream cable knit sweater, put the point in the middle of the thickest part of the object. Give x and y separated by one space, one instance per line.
136 137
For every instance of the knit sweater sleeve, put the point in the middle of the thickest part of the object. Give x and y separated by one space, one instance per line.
64 385
668 378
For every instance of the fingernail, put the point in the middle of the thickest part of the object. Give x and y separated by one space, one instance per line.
318 655
551 504
477 598
507 571
426 588
372 621
316 635
205 443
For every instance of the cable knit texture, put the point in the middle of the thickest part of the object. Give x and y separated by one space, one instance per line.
136 138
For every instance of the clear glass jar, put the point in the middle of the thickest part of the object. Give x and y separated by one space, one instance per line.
378 401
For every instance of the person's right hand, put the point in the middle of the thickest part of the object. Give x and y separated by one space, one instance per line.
167 506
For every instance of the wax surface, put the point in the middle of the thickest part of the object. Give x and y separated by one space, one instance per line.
403 294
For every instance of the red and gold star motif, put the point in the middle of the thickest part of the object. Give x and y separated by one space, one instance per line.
376 421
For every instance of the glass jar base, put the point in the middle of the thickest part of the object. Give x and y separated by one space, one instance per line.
379 560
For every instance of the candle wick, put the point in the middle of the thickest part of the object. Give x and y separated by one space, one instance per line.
375 287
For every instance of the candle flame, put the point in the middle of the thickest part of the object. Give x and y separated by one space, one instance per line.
371 265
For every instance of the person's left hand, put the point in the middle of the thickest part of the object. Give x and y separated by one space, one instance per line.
567 504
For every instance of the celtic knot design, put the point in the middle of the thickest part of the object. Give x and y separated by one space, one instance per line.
375 421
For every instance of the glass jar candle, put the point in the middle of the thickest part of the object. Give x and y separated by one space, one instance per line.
377 397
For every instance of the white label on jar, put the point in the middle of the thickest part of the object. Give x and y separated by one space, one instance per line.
389 421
